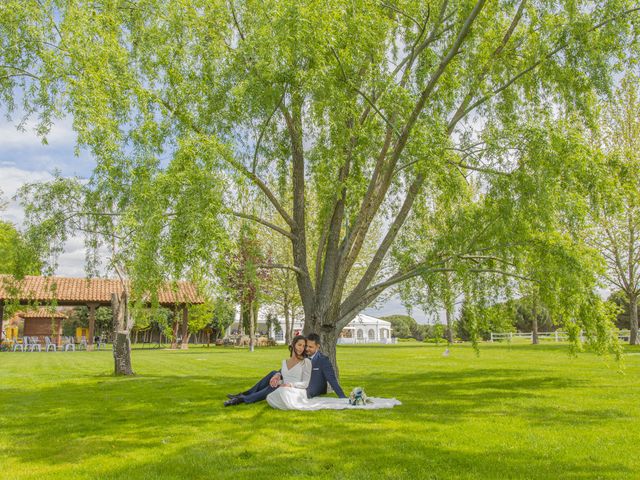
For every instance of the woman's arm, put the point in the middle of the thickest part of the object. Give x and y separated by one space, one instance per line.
306 375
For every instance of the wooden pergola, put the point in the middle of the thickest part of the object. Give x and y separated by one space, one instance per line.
43 322
92 292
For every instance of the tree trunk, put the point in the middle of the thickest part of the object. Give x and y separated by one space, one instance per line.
185 329
174 329
328 345
122 341
292 318
633 319
534 325
449 325
122 354
256 309
251 329
287 330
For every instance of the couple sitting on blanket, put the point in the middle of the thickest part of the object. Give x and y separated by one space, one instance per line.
300 381
304 375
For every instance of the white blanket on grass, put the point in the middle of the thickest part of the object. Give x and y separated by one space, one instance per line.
323 403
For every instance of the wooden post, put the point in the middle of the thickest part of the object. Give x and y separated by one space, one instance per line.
174 340
185 328
92 324
59 334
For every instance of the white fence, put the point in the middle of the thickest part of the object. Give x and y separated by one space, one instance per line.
556 336
362 341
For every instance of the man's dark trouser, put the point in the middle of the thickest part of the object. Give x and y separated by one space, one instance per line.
260 390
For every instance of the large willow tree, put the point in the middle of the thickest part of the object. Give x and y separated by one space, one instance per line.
337 116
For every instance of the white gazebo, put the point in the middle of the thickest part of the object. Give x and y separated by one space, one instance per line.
366 329
362 329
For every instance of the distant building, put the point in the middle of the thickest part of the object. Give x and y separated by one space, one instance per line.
362 329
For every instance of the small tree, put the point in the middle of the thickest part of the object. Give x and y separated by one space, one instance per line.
615 229
243 274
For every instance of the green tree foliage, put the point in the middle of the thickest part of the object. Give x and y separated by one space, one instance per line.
405 326
80 318
623 318
368 113
476 322
615 222
17 257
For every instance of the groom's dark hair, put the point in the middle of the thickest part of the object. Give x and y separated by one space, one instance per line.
314 337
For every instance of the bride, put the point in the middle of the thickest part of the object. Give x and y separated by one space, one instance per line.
296 373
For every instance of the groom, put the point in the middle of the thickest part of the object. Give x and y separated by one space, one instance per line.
321 374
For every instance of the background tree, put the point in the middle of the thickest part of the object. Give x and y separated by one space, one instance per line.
405 326
359 108
223 316
616 222
113 217
623 318
17 257
243 274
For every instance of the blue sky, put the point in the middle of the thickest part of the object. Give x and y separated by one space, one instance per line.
24 159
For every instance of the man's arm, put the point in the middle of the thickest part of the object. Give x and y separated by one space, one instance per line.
330 375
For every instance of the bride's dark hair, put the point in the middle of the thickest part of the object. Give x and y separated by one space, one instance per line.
295 340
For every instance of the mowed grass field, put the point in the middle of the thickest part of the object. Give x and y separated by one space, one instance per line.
516 411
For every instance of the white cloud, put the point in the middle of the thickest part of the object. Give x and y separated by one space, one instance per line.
394 306
71 262
11 179
60 135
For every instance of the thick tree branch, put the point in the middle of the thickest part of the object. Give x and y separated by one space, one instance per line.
259 220
378 188
283 267
392 233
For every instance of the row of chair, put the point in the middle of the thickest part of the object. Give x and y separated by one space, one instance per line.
30 344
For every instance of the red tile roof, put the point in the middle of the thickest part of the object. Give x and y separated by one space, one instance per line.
78 291
41 313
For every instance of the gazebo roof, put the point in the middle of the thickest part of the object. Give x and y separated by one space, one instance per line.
46 313
78 291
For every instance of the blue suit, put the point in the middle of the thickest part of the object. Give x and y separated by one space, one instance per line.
260 390
322 373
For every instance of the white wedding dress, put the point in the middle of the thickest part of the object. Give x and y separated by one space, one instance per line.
295 397
290 398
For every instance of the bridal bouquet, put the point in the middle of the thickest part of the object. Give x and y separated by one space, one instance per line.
357 396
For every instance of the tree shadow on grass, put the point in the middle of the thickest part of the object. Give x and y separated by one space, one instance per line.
172 424
356 452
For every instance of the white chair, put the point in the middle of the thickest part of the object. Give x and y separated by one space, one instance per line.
17 345
33 344
68 344
49 344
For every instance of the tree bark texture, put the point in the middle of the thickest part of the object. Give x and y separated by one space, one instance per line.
185 328
449 325
174 330
633 319
252 331
122 341
287 326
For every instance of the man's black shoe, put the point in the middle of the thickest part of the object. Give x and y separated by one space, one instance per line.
233 395
233 401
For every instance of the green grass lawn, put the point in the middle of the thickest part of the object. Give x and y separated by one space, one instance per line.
513 412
